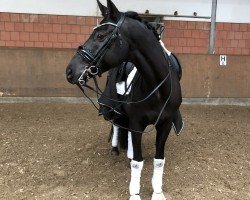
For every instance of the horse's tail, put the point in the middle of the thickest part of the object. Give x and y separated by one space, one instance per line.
123 133
176 65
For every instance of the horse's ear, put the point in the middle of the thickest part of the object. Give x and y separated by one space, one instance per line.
103 9
114 13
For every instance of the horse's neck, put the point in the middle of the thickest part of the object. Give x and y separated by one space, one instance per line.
150 62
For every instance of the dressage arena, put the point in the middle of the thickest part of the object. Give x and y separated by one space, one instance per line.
53 144
60 151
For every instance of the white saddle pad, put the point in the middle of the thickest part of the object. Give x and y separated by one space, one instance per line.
121 86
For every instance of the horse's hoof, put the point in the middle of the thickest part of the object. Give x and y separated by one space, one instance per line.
158 196
115 151
135 197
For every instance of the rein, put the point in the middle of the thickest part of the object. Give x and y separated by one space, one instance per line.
98 91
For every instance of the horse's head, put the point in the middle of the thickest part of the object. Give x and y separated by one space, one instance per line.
105 48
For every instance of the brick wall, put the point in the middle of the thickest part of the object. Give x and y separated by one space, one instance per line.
232 39
193 37
54 31
187 36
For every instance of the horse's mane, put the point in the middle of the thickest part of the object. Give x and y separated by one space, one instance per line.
135 15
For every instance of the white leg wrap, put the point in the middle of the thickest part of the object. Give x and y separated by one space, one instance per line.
130 153
158 175
115 136
135 197
159 196
134 186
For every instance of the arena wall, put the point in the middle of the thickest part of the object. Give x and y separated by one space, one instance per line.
39 72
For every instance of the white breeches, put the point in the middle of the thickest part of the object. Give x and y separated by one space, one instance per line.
115 141
115 136
130 153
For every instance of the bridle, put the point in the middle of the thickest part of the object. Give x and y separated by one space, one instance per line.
93 68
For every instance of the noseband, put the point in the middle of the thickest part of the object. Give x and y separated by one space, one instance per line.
94 61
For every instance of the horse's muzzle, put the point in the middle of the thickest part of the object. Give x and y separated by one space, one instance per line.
70 76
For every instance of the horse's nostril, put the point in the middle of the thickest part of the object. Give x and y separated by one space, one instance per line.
69 76
69 71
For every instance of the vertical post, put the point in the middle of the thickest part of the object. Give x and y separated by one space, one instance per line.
97 14
212 27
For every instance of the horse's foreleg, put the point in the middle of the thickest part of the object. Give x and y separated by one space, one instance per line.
136 167
114 150
159 160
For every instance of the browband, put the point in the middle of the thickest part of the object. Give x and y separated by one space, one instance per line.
118 25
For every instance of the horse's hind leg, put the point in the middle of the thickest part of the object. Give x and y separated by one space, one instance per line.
163 130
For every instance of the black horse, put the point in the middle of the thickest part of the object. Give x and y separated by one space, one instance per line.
154 99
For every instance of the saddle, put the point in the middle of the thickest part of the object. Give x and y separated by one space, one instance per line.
175 64
117 87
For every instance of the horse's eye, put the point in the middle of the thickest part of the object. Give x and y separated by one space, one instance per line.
100 36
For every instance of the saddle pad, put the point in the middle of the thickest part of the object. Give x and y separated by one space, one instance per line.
163 46
121 86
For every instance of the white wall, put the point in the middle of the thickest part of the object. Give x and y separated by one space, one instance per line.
58 7
228 10
233 11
